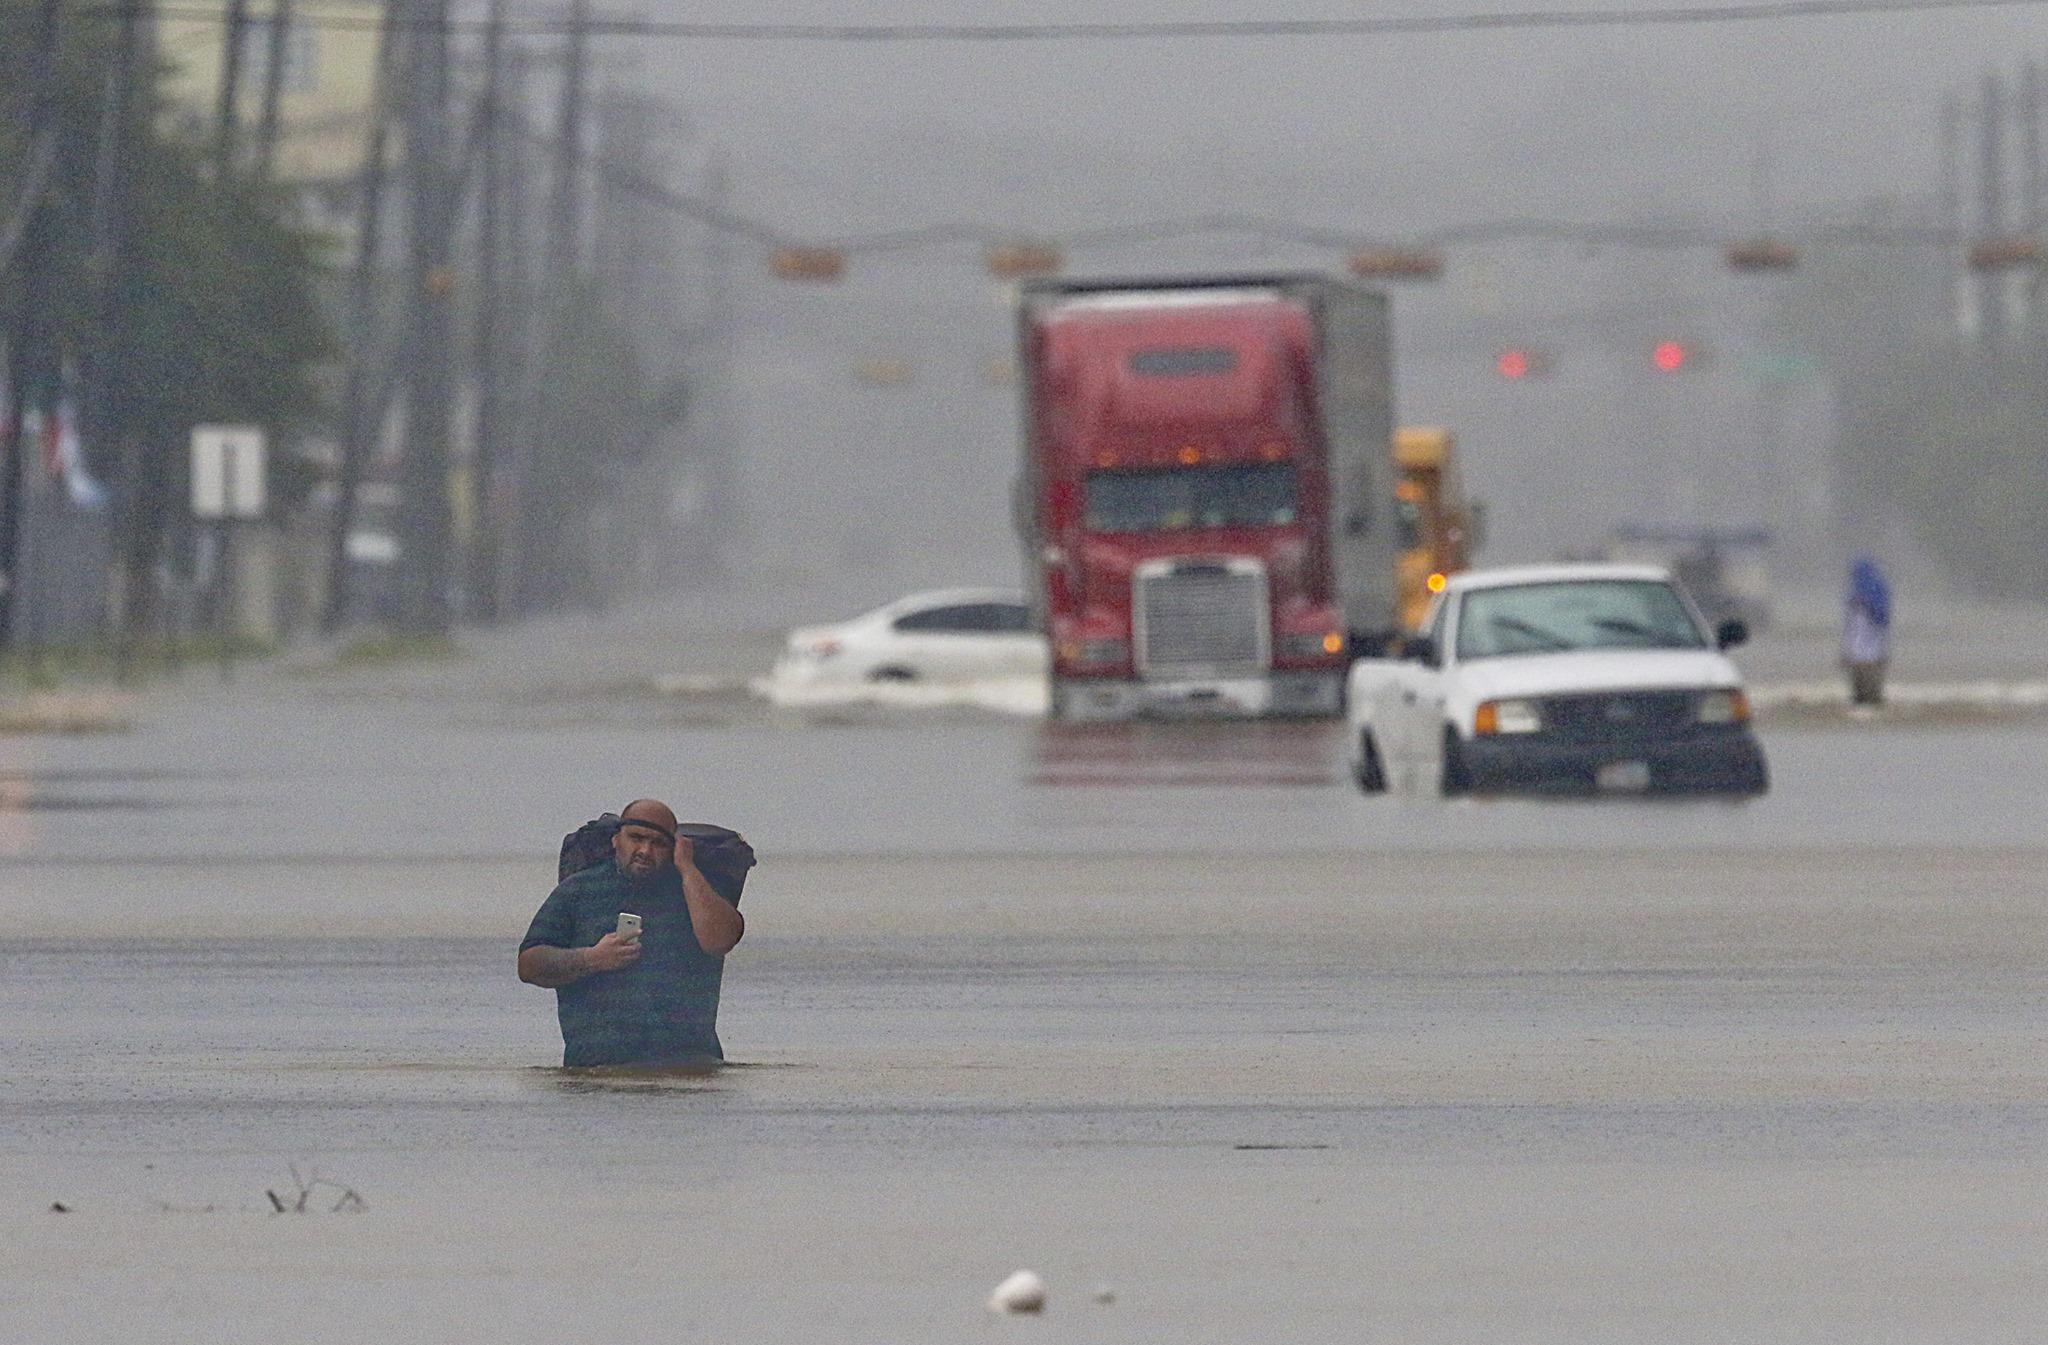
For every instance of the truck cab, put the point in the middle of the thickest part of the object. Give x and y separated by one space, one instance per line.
1179 488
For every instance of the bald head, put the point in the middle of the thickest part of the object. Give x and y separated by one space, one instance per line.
650 810
645 843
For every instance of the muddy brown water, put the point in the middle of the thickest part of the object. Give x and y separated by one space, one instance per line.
1171 1012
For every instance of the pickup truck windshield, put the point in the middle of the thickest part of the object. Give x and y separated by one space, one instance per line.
1577 614
1176 499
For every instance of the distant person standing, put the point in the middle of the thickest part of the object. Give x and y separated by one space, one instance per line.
634 943
1866 632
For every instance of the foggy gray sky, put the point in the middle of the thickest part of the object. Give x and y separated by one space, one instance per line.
1394 134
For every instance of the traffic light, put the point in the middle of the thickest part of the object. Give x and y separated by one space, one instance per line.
2012 252
1680 355
1519 362
807 263
1015 261
1397 263
1761 254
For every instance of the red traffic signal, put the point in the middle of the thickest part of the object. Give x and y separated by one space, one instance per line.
1521 362
1669 356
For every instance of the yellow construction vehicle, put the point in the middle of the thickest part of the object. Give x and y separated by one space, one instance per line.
1439 527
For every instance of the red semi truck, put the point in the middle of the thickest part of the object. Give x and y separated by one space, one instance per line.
1207 495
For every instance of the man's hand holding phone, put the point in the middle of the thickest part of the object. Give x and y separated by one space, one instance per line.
618 949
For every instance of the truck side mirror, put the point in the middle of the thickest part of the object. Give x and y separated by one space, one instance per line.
1422 650
1729 634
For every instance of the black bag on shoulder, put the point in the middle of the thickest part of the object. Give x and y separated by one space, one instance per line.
723 855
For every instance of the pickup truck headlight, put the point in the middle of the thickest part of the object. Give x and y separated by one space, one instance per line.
1724 707
1312 644
1512 716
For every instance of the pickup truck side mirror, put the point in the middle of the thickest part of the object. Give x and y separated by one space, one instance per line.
1423 650
1729 634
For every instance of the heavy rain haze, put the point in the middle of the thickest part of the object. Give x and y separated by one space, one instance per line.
1282 925
1738 127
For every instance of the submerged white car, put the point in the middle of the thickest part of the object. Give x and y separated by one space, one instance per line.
950 635
1576 677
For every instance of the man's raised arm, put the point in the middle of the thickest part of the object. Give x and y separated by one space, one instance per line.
717 922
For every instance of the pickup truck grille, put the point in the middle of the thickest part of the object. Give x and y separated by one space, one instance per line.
1619 714
1205 620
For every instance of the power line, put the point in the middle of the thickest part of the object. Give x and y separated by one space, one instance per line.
1389 26
933 237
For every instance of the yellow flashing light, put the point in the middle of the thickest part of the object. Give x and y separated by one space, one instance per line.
1189 455
1437 582
1333 643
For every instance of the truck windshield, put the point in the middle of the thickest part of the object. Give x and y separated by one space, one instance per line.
1183 361
1176 499
1577 614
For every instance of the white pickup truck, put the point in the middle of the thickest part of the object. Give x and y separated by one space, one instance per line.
1588 678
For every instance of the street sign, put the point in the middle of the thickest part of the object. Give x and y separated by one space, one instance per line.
227 471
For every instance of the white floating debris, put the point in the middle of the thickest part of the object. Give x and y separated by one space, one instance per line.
1025 697
1022 1292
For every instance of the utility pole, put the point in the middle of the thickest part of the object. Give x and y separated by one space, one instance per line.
565 219
28 336
721 470
486 515
423 507
2031 169
538 543
515 339
227 114
273 86
103 411
365 347
1962 312
1991 208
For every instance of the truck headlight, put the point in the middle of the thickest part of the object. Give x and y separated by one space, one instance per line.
1103 651
1513 716
1724 707
1312 644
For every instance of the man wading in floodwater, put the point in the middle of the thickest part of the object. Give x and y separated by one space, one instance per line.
650 999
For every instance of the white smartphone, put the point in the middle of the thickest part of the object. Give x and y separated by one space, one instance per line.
629 925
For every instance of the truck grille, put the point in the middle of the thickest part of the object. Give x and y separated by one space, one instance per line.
1202 620
1619 714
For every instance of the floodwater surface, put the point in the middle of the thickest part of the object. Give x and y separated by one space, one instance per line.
1169 1014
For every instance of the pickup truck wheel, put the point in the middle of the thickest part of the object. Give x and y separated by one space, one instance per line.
1368 772
1456 780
